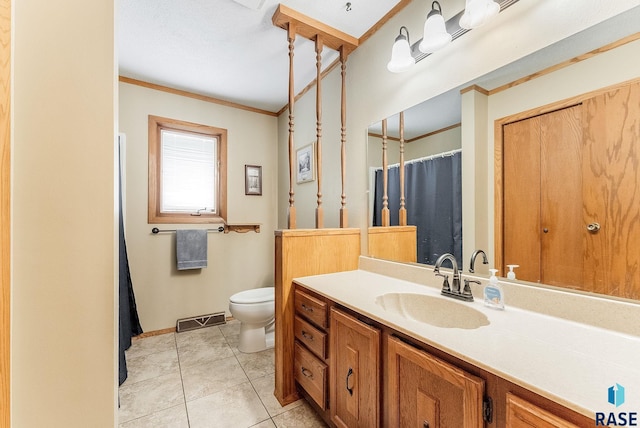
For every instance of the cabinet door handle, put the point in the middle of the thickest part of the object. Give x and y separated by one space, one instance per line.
425 424
307 373
349 373
307 308
307 335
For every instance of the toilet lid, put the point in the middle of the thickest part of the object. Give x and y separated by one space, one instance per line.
256 295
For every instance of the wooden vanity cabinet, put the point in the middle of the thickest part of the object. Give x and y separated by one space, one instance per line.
355 372
360 373
524 414
310 348
425 391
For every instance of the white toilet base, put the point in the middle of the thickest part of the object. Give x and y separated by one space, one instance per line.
252 338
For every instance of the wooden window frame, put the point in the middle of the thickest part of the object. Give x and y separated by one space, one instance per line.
156 125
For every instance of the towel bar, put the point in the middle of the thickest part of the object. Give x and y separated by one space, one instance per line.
155 230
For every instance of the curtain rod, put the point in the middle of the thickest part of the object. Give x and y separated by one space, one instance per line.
426 158
155 230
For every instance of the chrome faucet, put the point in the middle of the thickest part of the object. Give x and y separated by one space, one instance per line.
453 291
473 259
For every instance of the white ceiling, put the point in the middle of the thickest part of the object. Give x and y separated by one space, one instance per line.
228 49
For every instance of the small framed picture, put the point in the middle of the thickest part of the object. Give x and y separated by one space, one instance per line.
252 180
305 164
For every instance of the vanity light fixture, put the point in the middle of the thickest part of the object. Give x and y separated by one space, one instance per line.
438 33
401 58
435 32
478 12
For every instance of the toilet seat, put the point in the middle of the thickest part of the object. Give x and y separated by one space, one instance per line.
256 295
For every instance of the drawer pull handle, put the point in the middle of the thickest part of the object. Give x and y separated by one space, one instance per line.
349 373
307 335
425 424
307 308
307 373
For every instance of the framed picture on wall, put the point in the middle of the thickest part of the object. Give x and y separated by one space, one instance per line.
252 180
305 164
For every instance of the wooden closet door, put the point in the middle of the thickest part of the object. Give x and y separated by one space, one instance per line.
612 192
521 230
561 207
543 221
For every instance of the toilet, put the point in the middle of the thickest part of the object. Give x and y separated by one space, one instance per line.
255 309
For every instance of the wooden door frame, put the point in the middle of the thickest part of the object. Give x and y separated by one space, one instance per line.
498 144
5 213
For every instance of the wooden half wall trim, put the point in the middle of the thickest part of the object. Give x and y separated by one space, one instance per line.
5 213
303 252
396 243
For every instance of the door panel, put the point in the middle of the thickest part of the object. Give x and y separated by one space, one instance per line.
612 192
521 233
561 207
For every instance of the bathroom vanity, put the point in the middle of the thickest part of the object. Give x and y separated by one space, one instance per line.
376 350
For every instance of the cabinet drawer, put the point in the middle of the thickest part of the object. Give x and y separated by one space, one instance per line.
313 309
311 374
311 337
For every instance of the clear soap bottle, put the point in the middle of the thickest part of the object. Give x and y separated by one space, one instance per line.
493 293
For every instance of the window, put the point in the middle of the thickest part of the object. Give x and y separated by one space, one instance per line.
187 172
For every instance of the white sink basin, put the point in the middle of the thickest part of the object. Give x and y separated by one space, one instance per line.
436 311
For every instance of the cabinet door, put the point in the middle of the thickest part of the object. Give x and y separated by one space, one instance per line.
522 414
425 392
355 366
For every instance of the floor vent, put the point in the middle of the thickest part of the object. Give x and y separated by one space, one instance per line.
201 321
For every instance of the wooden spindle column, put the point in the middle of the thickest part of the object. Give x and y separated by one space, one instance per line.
291 214
403 211
385 176
319 209
343 138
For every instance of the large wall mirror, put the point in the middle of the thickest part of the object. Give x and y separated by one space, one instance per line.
461 206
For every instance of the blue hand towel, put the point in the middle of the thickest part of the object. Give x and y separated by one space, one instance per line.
191 249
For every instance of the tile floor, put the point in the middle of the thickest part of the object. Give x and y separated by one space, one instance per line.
199 379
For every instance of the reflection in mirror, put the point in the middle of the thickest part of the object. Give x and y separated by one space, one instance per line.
435 127
432 187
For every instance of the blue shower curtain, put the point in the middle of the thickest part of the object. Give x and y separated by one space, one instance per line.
129 324
433 193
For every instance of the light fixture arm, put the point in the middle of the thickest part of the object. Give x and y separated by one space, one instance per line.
433 9
400 36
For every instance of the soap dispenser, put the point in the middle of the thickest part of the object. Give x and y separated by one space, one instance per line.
511 274
493 294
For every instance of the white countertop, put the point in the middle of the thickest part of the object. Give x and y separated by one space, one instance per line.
571 363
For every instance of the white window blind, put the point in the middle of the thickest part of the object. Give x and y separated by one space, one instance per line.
189 172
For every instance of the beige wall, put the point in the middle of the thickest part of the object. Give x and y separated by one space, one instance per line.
64 226
374 93
236 261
